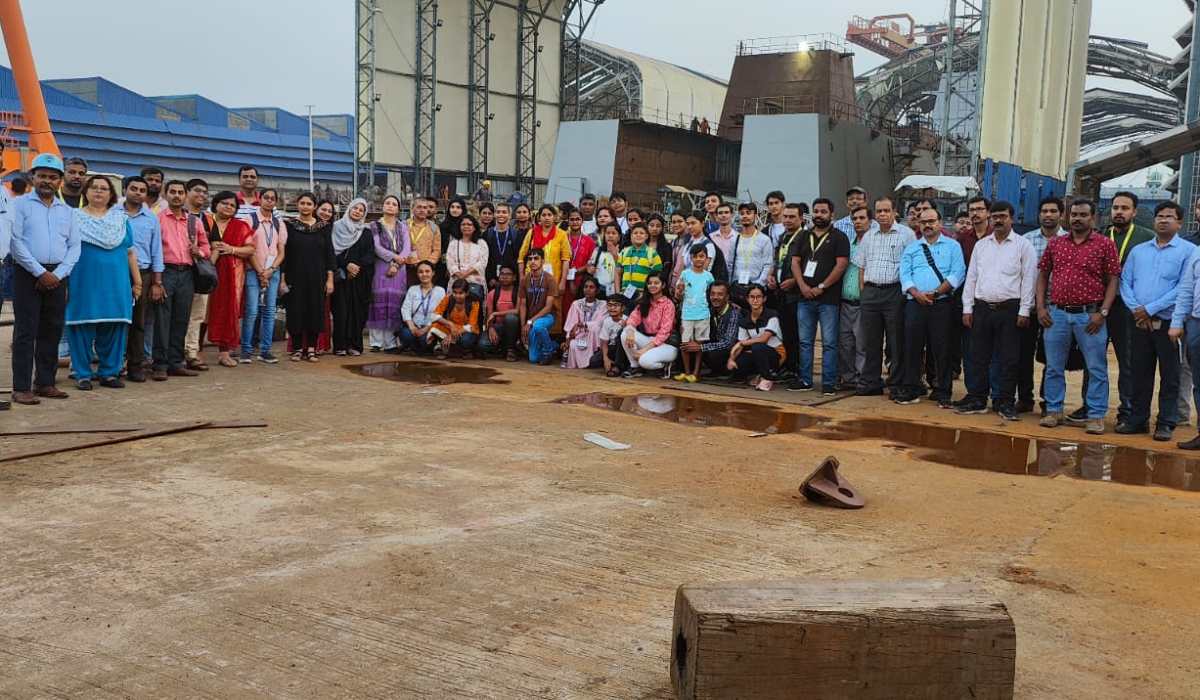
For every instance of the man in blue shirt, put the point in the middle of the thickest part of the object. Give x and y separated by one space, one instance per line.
45 249
147 242
931 268
1150 281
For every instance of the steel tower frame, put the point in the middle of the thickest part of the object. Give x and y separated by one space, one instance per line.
364 107
478 115
577 16
425 96
530 14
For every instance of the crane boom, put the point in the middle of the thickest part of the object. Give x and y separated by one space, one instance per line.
20 55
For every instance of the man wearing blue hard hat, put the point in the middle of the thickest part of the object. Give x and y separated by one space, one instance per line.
45 248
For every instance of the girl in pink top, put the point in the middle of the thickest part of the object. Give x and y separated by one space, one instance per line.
648 328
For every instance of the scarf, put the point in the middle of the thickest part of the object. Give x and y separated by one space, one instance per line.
542 237
450 224
346 232
105 232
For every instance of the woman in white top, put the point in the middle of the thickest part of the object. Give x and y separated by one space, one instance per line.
759 351
603 265
467 257
417 311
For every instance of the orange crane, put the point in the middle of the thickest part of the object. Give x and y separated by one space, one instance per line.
883 36
35 119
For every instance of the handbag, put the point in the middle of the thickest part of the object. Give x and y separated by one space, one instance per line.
204 272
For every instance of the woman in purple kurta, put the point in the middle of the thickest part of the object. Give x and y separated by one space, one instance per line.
392 248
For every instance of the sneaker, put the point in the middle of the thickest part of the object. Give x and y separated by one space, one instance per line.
799 385
632 373
1128 429
1163 433
268 358
1008 412
1095 427
828 391
964 401
907 399
84 385
865 391
1077 417
945 403
971 409
245 359
1051 420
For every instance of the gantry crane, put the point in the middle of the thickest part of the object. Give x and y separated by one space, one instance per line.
34 119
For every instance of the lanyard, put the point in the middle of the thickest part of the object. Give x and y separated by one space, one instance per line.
574 247
588 310
270 222
503 243
814 247
785 245
1112 235
537 291
424 228
423 307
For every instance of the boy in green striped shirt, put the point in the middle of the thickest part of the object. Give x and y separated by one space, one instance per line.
637 261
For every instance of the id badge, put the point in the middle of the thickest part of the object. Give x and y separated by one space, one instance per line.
810 268
744 278
581 343
570 274
630 291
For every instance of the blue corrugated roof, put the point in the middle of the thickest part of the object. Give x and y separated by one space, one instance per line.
118 130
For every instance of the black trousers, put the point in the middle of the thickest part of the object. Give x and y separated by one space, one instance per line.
928 328
1152 349
1028 350
882 316
171 318
757 360
717 361
37 329
135 353
994 334
1119 325
785 305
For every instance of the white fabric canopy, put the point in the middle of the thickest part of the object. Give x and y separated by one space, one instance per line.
960 186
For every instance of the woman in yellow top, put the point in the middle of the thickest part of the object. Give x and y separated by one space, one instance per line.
546 236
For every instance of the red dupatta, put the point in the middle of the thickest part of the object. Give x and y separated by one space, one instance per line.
540 238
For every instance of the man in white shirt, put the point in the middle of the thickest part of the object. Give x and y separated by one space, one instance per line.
997 299
619 204
587 209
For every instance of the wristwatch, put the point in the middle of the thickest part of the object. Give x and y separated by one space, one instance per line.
1104 313
821 286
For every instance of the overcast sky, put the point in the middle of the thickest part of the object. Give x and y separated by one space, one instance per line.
290 53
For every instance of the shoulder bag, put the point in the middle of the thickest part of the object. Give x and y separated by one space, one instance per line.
204 272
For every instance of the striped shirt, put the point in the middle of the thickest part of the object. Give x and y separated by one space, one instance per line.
637 262
878 255
1039 241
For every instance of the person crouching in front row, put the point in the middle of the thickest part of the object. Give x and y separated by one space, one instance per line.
455 323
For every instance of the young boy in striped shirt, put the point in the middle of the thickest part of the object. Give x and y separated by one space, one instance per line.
637 261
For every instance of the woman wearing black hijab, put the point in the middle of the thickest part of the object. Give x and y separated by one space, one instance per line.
450 230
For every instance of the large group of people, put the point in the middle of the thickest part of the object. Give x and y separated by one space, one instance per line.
140 276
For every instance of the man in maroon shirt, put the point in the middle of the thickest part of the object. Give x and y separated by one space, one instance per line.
1086 272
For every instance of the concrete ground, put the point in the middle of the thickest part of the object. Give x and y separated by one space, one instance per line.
385 539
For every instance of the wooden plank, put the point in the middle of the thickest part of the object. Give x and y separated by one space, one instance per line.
214 425
127 437
837 639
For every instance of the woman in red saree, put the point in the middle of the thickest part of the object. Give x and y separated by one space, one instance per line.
232 243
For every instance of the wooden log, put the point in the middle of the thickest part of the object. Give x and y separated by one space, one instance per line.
840 639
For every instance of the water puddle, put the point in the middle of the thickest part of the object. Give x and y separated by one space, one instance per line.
967 448
425 372
689 410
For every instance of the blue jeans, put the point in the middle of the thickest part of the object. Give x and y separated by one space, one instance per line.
540 343
408 341
1057 339
808 315
251 313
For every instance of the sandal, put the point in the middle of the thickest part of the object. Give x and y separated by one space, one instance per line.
227 362
312 357
297 356
511 356
613 372
197 364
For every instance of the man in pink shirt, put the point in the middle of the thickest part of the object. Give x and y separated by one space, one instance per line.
183 240
262 283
